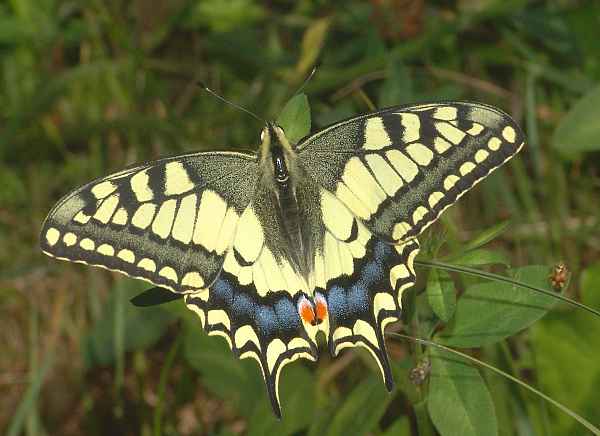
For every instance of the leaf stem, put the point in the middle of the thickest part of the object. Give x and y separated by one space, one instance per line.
498 277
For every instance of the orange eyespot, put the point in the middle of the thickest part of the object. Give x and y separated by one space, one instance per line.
321 307
306 311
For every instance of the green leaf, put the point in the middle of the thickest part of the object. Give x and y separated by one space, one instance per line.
459 402
295 118
489 312
154 297
441 294
481 256
486 236
362 409
137 328
579 130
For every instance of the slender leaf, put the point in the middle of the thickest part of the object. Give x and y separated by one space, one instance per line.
486 236
481 256
441 294
154 297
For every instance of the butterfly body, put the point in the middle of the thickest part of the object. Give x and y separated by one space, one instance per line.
271 248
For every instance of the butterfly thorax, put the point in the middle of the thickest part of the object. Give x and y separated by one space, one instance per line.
278 161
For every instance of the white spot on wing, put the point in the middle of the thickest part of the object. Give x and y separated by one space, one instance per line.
362 184
168 273
140 186
183 227
274 350
249 237
385 175
103 189
494 143
451 133
52 236
211 213
106 250
70 239
335 216
126 255
143 215
420 154
509 134
164 218
177 179
107 209
412 125
376 137
403 165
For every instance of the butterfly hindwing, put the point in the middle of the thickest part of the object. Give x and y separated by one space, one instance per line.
399 168
169 222
253 303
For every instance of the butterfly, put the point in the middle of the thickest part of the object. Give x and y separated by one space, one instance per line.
271 248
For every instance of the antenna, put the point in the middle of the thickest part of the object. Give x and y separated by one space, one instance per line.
235 105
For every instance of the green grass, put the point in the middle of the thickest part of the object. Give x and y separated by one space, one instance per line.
87 88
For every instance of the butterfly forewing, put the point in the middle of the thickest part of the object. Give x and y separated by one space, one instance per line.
169 222
399 168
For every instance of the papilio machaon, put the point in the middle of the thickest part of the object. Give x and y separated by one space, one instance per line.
270 248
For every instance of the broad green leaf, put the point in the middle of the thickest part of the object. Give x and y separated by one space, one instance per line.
295 118
481 256
486 236
490 311
361 410
441 294
579 130
138 328
459 402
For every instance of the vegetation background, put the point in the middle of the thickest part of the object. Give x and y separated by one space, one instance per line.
88 87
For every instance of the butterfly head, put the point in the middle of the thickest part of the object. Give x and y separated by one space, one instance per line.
276 151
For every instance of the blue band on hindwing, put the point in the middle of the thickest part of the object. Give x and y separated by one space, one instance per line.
353 298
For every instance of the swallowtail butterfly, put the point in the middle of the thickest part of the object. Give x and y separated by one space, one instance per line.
270 248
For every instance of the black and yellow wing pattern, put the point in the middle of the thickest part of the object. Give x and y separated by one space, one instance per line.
394 172
271 248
